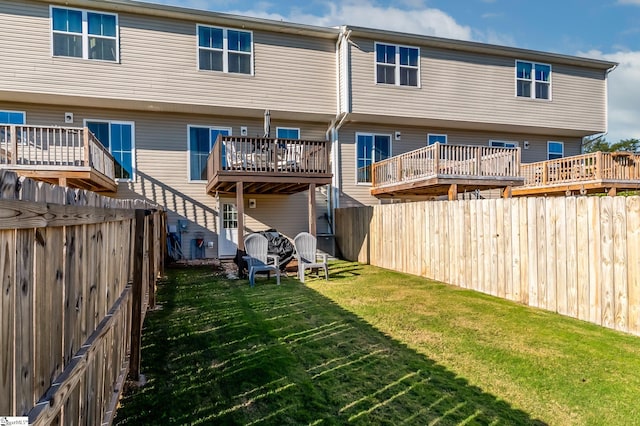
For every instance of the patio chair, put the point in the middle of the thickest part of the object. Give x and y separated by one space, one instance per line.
257 259
305 245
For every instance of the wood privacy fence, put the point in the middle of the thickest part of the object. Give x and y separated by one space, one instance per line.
579 257
77 273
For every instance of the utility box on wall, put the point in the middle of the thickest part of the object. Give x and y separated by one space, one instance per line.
197 248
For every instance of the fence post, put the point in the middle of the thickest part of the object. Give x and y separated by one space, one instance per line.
137 294
151 269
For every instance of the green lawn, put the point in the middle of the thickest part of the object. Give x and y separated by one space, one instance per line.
372 347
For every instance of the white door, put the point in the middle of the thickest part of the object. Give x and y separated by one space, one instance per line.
228 235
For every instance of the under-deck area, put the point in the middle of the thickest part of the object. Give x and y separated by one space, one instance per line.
598 172
65 156
244 165
441 169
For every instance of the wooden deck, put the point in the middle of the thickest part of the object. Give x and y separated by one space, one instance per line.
440 169
66 156
582 174
267 165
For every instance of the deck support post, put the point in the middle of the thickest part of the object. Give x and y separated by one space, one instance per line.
612 192
312 209
62 181
506 192
240 209
453 192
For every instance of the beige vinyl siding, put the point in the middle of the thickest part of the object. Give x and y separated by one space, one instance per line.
158 64
354 194
162 170
478 88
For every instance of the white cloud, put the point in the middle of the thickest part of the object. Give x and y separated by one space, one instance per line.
416 20
629 2
624 92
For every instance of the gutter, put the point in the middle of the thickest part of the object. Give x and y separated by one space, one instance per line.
199 16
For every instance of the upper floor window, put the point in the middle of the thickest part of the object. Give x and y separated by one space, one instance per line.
555 150
226 50
433 138
118 138
12 117
503 144
84 34
533 80
370 149
287 133
398 65
201 141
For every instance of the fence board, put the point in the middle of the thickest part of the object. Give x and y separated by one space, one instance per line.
525 266
500 253
577 256
571 262
25 348
7 321
595 257
582 258
606 227
620 294
543 256
633 266
507 236
560 279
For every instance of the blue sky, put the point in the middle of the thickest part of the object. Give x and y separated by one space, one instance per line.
604 29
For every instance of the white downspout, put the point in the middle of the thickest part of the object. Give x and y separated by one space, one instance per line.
333 198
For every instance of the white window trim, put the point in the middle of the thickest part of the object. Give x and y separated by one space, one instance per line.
446 138
494 143
549 152
397 65
225 50
24 115
201 126
133 143
288 128
85 33
533 81
373 160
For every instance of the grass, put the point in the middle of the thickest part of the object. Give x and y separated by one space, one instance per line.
372 347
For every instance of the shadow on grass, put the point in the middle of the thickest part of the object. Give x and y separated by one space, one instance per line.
220 352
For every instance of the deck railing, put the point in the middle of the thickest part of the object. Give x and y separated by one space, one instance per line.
65 147
268 155
596 166
448 161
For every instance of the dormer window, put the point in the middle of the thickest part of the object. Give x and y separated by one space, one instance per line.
84 34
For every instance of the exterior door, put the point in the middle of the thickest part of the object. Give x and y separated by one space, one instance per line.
228 235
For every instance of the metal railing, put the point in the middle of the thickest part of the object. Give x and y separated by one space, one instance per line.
64 147
440 160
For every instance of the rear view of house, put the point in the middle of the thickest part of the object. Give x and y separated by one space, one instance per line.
237 124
